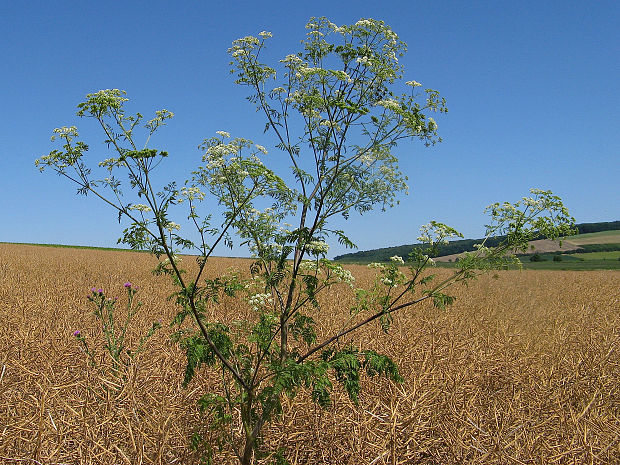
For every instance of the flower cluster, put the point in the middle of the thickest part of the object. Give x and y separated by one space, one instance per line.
270 249
342 76
343 275
292 61
306 71
260 300
191 193
140 207
389 104
437 233
330 124
367 159
317 247
309 266
65 132
338 29
391 277
364 23
175 258
172 226
110 163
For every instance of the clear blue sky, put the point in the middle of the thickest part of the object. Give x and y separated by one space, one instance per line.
532 89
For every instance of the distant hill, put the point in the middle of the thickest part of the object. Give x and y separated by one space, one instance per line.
467 245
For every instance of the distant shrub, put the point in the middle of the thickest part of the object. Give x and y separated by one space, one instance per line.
536 258
557 258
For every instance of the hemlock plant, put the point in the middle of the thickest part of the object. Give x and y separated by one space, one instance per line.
338 108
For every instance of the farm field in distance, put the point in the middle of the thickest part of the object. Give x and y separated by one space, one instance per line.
602 237
615 255
522 369
572 252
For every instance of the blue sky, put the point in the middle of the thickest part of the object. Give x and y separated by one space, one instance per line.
532 89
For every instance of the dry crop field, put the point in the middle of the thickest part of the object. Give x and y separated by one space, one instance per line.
522 369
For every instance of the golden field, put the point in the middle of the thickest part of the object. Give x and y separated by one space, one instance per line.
522 369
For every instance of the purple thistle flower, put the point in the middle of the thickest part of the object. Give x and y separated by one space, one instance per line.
100 291
127 285
76 333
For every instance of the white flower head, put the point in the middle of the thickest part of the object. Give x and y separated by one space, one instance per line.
64 132
260 300
364 23
292 60
265 34
376 265
175 259
397 259
367 159
317 247
192 193
172 226
344 276
389 104
223 134
330 124
309 266
140 207
413 84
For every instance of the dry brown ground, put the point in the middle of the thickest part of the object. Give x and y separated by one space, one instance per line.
523 369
